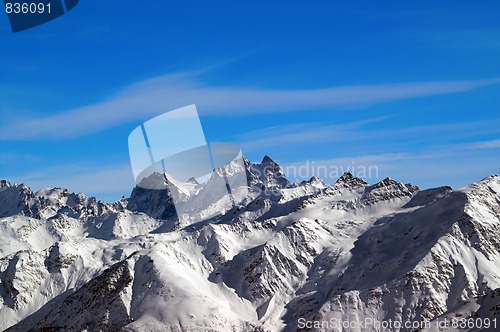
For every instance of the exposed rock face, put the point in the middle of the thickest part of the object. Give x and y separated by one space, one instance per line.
267 174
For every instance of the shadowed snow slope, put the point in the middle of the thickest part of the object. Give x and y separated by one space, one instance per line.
291 253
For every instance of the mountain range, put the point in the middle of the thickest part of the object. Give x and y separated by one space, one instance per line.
290 257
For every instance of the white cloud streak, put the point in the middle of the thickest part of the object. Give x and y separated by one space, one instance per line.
106 182
493 144
352 132
155 96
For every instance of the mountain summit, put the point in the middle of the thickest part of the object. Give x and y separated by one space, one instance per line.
290 258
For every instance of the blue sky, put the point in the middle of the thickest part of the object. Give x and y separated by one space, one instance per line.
411 88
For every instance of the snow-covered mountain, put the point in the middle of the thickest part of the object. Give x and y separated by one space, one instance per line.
292 257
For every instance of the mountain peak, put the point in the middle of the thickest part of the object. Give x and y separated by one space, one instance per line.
316 181
192 180
155 180
488 184
491 178
267 174
388 182
267 160
385 183
346 177
349 180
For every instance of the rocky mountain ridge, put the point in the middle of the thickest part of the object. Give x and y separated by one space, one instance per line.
292 253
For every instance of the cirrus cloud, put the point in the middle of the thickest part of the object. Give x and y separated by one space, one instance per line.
155 96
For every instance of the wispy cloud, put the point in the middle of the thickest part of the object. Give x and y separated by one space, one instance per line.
106 182
155 96
304 134
353 132
9 157
484 39
492 144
